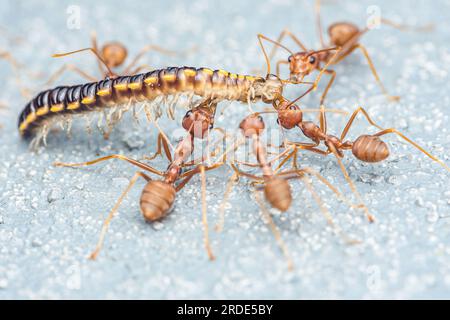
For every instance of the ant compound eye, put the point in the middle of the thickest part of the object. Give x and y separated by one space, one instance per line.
312 59
293 107
260 118
211 126
278 120
188 114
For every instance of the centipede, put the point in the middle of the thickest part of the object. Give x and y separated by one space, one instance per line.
64 102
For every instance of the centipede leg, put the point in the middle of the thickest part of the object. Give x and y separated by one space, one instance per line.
110 216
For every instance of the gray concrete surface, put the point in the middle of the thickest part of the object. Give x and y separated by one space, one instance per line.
50 217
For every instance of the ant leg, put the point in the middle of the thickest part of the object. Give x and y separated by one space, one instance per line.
143 51
319 22
230 184
274 230
94 51
9 57
300 172
95 47
333 150
372 68
280 62
330 82
161 144
204 215
155 122
324 210
266 57
106 223
114 156
426 28
69 67
392 130
323 119
386 131
139 69
190 174
352 118
286 32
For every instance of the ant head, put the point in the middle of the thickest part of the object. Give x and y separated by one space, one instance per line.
197 122
342 32
289 115
251 125
114 54
303 63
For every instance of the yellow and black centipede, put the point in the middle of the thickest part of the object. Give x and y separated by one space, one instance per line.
217 85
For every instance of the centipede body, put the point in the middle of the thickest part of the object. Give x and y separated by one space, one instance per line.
217 85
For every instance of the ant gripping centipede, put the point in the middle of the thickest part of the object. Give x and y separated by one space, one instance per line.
277 190
62 103
367 148
110 56
344 38
158 196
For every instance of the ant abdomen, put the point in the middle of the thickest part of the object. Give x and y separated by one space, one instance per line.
278 192
157 199
370 148
342 32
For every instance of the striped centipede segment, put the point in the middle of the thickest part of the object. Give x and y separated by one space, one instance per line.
65 101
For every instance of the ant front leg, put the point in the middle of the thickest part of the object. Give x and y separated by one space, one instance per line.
161 144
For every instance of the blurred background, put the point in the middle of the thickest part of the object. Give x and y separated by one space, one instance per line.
50 217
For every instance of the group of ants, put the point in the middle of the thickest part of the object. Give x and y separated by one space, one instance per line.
158 196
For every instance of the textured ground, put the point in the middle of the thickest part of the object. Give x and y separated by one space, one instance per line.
50 217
